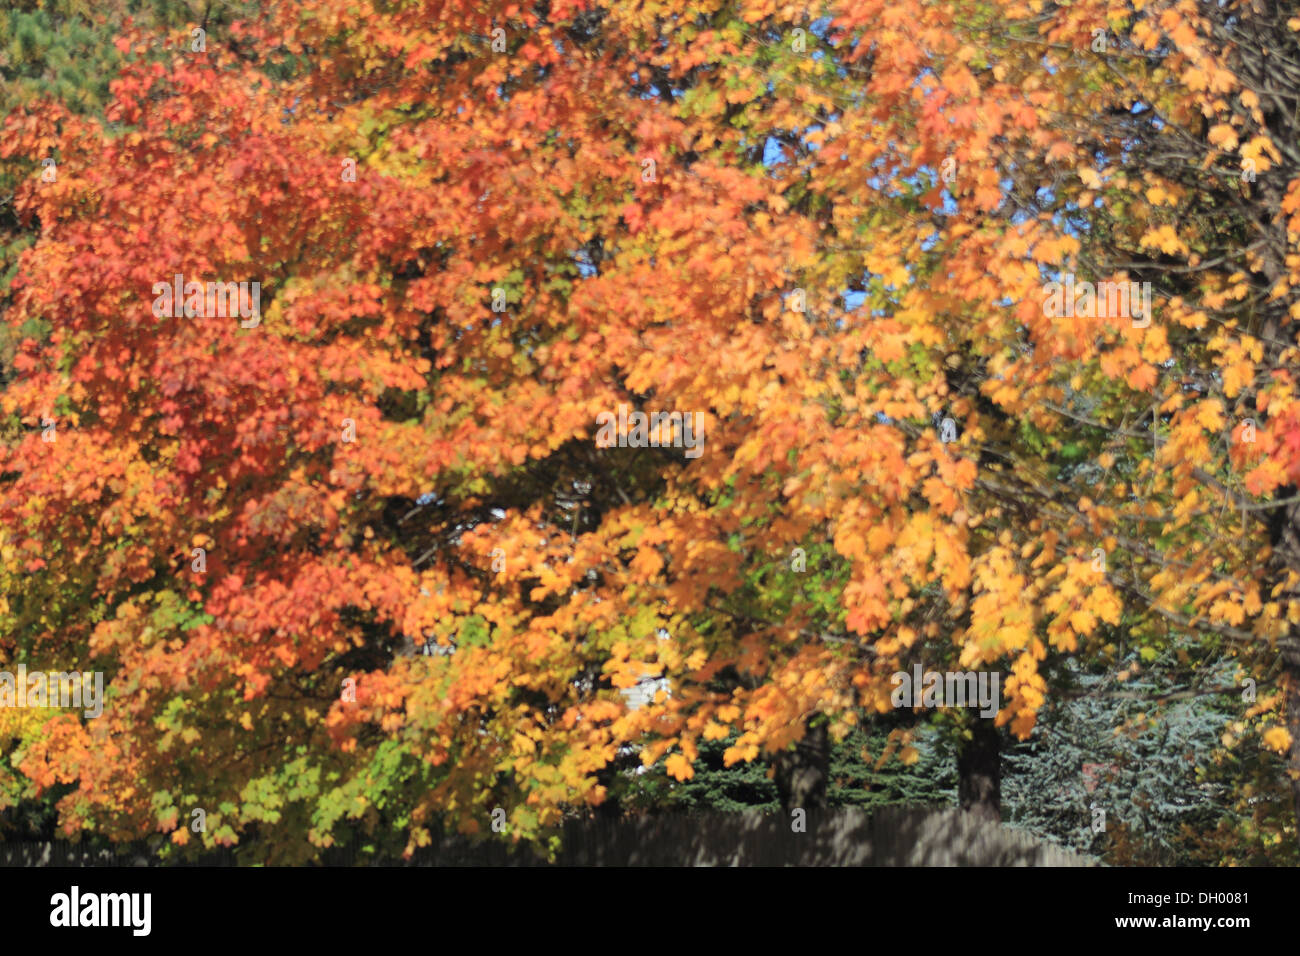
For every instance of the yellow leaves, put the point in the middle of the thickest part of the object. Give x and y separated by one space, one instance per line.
1025 689
1209 415
850 544
1255 150
715 731
1265 477
647 563
940 495
1265 705
19 723
1238 376
1156 196
652 751
1089 177
891 347
1083 622
1055 250
1227 611
1142 378
1187 504
1223 136
697 659
624 675
739 752
1106 604
1277 739
1165 239
1177 29
689 750
889 268
1016 244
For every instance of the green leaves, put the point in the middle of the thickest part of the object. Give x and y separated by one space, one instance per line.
474 632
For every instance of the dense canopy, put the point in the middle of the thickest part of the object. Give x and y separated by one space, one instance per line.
346 544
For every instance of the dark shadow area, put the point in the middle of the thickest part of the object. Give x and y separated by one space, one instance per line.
891 836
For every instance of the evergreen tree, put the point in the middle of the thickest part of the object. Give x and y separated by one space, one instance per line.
858 777
1116 747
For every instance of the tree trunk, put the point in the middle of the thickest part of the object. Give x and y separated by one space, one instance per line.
803 770
979 772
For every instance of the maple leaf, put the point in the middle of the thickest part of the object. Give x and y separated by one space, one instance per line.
679 768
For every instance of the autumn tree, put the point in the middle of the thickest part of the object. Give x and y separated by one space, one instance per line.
353 556
1177 179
